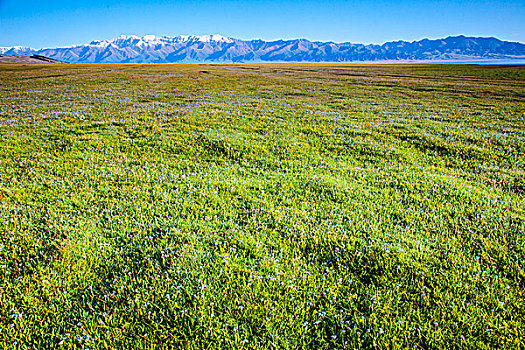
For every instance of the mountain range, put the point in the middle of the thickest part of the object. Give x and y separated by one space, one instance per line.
217 48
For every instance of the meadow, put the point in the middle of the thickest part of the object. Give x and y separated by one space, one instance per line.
271 206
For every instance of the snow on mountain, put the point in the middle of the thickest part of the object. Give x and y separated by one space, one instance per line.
213 38
17 50
218 48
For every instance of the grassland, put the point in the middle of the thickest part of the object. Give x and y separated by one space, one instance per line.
262 206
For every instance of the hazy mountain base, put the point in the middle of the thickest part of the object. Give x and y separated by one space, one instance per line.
43 59
251 207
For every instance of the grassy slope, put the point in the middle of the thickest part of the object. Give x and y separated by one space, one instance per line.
262 206
26 59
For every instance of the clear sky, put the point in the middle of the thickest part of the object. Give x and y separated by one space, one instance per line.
51 23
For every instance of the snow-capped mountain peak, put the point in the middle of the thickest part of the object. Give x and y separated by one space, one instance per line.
126 37
213 38
99 43
16 50
150 38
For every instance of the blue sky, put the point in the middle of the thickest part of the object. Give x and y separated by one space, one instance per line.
54 23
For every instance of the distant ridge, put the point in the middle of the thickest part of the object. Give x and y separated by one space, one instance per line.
217 48
26 59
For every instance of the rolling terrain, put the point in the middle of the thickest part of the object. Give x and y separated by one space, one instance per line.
262 206
26 59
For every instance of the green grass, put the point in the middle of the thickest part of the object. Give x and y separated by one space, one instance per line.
262 206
